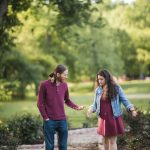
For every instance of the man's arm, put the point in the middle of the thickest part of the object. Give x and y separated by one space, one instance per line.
69 103
41 101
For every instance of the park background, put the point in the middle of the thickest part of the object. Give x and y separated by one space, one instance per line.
86 36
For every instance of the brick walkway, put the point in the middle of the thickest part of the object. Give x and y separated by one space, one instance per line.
80 139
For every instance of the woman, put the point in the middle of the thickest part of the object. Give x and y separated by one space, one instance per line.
53 93
107 105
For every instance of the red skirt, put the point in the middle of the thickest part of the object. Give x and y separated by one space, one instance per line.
110 129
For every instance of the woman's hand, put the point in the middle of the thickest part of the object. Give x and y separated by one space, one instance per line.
80 108
134 113
89 112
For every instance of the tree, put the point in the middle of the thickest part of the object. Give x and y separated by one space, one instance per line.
140 19
99 52
59 24
131 25
9 20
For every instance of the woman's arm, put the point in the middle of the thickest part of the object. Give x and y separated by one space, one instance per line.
93 107
124 100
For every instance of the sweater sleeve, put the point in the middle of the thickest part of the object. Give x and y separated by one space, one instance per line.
41 101
68 102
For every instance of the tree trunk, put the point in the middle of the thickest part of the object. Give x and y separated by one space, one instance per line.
21 92
3 7
36 89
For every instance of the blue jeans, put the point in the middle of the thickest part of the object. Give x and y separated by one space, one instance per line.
50 128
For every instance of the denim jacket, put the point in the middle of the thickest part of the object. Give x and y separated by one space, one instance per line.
115 102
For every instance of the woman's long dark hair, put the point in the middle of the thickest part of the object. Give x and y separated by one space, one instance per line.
112 90
59 69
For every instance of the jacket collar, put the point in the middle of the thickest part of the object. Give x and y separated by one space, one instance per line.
99 90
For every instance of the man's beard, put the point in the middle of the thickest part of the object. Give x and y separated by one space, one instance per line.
59 79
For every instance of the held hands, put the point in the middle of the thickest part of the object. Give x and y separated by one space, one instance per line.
80 108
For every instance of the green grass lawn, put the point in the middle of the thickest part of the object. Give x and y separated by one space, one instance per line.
83 97
130 87
133 87
76 118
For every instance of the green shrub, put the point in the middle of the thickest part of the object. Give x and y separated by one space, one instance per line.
90 122
5 94
7 139
22 129
9 89
139 135
27 128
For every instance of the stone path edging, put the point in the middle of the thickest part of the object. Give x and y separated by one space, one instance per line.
79 139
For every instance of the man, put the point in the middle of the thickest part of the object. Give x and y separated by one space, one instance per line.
52 96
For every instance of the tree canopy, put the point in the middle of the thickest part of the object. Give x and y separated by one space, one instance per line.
37 35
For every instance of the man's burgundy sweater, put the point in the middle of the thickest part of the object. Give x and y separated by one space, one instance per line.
51 99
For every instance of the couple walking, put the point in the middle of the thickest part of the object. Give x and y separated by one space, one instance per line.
53 93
